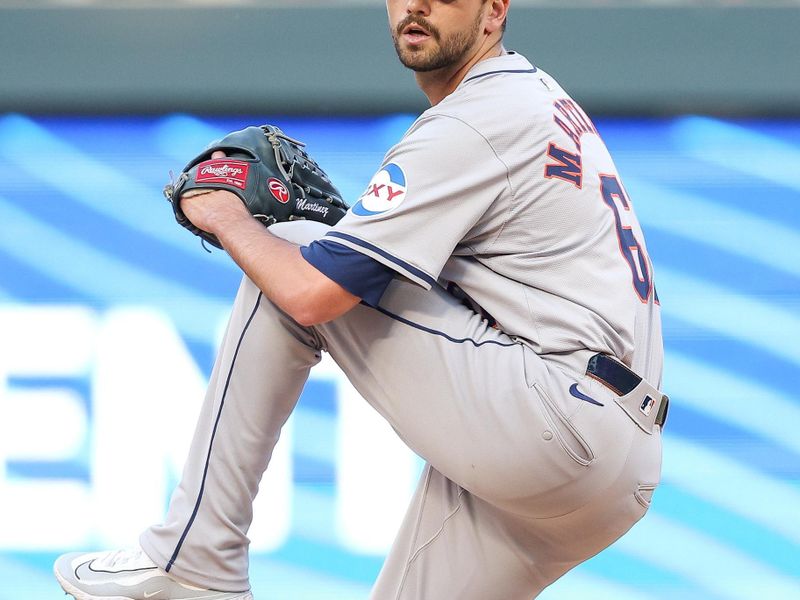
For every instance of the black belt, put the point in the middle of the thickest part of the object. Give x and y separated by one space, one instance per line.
621 380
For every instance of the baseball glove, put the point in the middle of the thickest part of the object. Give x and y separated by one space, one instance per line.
272 174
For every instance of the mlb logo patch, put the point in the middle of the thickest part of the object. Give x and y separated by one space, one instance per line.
385 192
647 405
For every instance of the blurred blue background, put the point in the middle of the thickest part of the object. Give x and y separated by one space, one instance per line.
110 314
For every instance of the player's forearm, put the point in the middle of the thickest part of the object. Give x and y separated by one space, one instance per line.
278 268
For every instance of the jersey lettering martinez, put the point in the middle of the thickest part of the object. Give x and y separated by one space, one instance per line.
506 191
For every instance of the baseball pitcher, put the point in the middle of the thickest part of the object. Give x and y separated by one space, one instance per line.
490 294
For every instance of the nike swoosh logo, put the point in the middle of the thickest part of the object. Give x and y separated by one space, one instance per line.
573 389
146 595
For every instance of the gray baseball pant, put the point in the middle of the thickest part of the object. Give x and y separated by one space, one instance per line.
523 480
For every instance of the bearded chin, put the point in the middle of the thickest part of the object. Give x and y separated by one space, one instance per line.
445 54
422 62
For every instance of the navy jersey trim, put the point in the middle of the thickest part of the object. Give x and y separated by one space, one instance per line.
449 338
359 274
533 70
213 435
390 257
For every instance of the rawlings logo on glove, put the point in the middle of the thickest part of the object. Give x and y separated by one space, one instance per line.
221 170
272 174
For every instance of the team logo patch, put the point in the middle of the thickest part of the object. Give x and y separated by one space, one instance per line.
278 189
385 192
225 171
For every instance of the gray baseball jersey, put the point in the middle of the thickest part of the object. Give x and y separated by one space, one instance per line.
527 215
541 449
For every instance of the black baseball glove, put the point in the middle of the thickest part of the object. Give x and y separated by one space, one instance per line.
272 174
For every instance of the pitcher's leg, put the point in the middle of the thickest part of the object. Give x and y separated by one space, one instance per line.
529 479
258 376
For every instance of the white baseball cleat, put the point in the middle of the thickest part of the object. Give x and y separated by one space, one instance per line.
127 575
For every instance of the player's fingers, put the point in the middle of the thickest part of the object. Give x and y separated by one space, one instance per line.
218 154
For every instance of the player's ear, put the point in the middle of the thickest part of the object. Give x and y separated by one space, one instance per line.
496 15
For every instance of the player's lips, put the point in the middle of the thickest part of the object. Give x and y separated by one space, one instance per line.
414 34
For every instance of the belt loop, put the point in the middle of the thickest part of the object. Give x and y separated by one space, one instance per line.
661 416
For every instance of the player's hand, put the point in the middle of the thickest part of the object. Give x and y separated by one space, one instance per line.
210 209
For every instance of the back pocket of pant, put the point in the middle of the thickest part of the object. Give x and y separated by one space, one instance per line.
568 437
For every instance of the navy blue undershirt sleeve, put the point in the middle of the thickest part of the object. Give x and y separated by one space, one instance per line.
356 272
